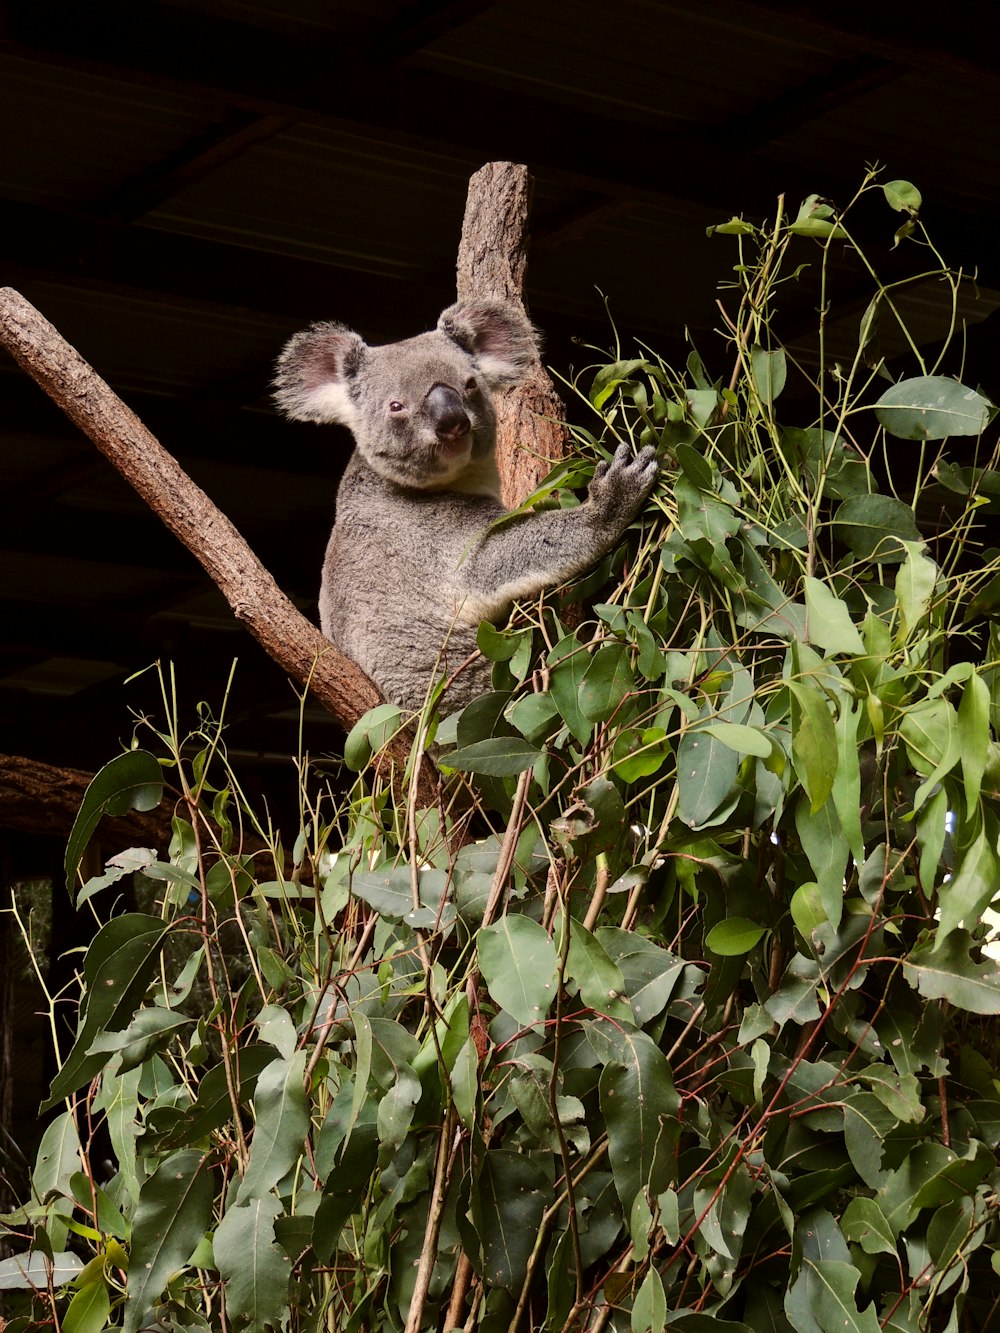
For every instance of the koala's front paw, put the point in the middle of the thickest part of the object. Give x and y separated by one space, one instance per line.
619 488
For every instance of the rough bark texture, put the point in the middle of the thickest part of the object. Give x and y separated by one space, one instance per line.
187 511
492 258
43 799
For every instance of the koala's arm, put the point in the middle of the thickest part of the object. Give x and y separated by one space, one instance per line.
540 550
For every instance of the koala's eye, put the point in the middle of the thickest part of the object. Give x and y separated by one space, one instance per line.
471 386
396 406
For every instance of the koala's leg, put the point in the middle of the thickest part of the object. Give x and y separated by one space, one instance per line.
536 551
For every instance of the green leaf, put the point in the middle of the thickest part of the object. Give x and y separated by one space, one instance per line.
974 737
640 1109
282 1123
27 1272
568 662
533 715
519 965
846 790
806 907
814 740
725 1192
696 468
149 1031
932 407
253 1267
734 227
608 378
131 781
496 644
742 739
276 1028
348 1183
902 196
465 1082
393 1051
930 730
174 1212
826 847
511 1196
702 404
608 680
733 936
951 1232
370 734
818 228
706 774
704 518
118 1099
830 624
116 868
915 587
88 1310
964 898
898 1093
600 981
769 371
946 972
823 1296
865 1223
389 891
651 973
210 1110
58 1157
649 1310
496 757
875 527
119 965
639 754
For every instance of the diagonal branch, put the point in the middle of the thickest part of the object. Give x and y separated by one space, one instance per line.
281 630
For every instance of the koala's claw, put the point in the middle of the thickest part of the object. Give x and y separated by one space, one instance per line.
620 486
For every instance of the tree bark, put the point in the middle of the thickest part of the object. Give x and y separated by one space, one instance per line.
492 258
255 598
43 799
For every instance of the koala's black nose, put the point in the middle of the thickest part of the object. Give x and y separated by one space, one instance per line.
451 421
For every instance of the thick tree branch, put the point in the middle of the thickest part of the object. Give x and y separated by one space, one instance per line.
43 799
282 631
492 257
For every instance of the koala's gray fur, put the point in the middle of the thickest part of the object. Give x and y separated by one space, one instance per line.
413 565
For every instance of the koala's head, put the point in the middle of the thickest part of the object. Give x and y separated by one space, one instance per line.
421 410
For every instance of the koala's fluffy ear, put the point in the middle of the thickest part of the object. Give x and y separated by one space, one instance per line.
500 337
313 373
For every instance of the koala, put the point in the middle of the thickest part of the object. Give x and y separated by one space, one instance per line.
414 562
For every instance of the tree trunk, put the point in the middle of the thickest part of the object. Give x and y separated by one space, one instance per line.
492 258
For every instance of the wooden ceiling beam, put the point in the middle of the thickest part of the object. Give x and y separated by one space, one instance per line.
204 58
46 243
196 56
237 134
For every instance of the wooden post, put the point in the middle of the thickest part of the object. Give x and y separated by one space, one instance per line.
492 258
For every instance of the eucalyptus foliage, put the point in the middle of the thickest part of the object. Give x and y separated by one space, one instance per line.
676 1012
